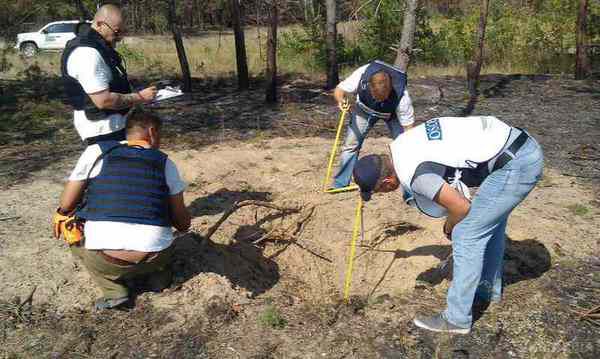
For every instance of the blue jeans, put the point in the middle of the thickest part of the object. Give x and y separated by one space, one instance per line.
478 240
357 131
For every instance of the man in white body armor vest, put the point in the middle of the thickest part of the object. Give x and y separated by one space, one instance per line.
95 79
433 164
381 93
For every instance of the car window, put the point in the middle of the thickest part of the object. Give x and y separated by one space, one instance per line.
81 27
60 28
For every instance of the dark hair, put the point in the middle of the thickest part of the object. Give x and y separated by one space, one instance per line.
385 170
140 118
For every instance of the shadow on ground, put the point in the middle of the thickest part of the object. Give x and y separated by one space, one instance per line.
523 260
222 200
243 264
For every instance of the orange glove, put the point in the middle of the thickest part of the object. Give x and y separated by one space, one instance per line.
68 226
58 223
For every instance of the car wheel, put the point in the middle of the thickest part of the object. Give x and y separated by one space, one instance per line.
29 49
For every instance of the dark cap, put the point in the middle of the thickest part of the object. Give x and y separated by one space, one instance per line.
366 174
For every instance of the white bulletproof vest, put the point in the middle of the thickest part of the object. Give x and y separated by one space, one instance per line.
458 142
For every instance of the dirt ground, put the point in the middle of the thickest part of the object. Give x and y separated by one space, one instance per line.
268 284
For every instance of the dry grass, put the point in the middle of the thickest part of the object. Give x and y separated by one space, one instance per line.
213 54
210 54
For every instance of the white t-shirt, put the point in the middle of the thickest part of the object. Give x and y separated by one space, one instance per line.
87 66
404 111
119 235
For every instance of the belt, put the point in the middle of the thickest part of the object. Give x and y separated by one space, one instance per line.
371 112
504 157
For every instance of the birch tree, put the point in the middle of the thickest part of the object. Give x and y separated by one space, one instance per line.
408 35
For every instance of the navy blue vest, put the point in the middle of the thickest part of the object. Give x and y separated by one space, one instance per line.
131 187
76 96
367 105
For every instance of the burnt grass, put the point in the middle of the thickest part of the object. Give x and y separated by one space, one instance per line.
540 315
37 131
537 318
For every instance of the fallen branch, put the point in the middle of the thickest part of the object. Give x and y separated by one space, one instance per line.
239 205
299 224
579 158
579 176
29 298
9 218
15 310
285 237
590 315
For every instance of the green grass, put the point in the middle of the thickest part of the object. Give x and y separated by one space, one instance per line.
579 209
271 318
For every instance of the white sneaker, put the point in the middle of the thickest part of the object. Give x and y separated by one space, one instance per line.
437 323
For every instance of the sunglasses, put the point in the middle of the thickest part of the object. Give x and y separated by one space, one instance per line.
117 32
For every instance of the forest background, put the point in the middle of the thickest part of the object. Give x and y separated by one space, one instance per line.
522 36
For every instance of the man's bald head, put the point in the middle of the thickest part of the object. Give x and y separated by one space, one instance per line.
380 85
108 22
108 12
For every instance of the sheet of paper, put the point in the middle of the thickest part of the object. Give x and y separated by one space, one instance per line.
167 93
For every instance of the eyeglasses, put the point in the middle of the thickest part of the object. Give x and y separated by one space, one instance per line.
117 32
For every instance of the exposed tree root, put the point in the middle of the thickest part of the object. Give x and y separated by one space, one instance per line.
239 205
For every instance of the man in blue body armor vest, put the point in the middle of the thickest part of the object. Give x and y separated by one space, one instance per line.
130 195
381 93
96 82
433 164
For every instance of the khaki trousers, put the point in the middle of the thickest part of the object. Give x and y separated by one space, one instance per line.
111 278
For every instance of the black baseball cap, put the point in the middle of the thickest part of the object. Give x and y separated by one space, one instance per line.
367 171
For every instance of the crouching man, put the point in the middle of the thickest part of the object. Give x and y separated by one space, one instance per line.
130 195
433 164
381 93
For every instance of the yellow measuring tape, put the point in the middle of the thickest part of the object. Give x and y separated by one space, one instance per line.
358 225
345 109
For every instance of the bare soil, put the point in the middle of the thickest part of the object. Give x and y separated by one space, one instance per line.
268 284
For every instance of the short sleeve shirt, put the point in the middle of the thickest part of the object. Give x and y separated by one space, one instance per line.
428 179
93 74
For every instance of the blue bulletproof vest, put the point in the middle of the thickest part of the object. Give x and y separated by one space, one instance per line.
131 187
76 96
367 105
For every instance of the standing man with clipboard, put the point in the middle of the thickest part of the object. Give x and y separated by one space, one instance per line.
96 81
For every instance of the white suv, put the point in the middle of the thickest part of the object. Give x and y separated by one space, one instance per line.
52 37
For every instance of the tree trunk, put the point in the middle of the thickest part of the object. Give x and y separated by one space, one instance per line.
86 15
582 61
474 66
240 45
271 73
332 66
185 67
309 11
408 35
